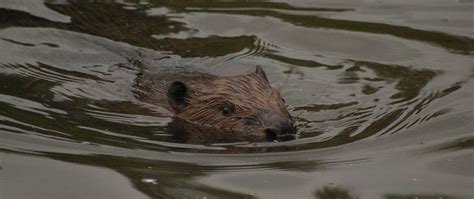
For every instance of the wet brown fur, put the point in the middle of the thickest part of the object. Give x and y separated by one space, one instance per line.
249 96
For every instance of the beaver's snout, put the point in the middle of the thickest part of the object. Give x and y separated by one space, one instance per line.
278 127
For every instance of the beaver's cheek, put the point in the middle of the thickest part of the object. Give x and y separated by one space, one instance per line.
251 134
256 138
256 131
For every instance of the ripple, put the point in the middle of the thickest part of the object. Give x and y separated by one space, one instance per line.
130 119
364 100
29 105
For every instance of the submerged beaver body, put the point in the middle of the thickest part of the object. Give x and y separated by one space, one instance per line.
223 109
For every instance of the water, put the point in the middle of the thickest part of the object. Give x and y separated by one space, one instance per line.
382 92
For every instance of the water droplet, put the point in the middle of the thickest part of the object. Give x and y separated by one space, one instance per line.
149 181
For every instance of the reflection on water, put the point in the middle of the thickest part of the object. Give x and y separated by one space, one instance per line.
332 192
383 108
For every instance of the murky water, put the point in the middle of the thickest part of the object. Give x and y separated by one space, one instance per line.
382 92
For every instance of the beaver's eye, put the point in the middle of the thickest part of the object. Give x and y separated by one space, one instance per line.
284 101
226 110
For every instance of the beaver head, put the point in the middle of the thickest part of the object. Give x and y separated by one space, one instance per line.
244 103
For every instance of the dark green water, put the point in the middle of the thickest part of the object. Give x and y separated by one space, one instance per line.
382 92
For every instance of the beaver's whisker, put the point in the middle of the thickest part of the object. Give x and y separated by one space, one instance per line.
284 82
251 119
300 114
317 99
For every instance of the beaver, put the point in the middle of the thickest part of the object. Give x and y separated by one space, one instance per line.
223 108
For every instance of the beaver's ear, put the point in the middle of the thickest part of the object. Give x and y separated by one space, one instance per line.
259 71
178 92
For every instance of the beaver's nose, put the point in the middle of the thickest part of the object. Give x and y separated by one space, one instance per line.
279 128
277 134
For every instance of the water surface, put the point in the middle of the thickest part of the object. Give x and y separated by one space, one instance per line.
382 92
